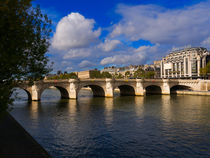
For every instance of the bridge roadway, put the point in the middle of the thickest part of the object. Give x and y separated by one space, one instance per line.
105 87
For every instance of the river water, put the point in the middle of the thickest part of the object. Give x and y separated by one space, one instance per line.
151 126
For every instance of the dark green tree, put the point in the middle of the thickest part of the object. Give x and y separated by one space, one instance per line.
106 75
71 75
206 70
140 73
149 74
24 40
95 74
127 74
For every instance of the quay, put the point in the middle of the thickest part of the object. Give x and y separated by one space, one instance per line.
16 142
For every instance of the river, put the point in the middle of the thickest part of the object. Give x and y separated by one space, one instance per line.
151 126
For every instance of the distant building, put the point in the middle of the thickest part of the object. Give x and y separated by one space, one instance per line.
185 63
121 70
86 74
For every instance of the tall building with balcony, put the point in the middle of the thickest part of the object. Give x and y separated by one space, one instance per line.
185 63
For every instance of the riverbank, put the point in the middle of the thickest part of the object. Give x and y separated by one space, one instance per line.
16 142
202 93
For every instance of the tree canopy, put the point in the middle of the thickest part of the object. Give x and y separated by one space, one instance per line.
206 70
140 73
24 38
71 75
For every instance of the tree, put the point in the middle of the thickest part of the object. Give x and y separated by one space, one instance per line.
140 73
71 75
118 76
149 74
206 70
59 72
106 75
24 38
127 74
95 74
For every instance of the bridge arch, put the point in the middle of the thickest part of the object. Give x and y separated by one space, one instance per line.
125 90
153 89
63 91
98 91
174 88
25 90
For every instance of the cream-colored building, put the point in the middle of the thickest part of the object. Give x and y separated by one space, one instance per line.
86 74
185 63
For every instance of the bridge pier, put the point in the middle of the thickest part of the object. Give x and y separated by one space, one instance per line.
109 92
35 94
73 93
139 90
165 87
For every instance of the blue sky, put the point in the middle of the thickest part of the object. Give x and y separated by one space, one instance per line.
97 33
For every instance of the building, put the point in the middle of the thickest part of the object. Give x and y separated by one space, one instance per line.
185 63
86 74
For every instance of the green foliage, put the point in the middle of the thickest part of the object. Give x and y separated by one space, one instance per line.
208 67
98 74
140 73
127 74
95 74
71 75
149 74
106 75
24 38
206 70
118 76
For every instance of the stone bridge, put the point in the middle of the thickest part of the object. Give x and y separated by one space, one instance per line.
105 87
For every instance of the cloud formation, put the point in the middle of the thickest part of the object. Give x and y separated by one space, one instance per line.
133 56
86 63
109 45
75 31
189 25
77 45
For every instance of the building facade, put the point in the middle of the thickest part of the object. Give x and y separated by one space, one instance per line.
86 74
185 63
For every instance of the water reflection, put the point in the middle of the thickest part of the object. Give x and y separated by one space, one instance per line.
166 112
34 108
109 110
150 126
139 106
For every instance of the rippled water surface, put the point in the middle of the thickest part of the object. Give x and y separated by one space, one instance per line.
151 126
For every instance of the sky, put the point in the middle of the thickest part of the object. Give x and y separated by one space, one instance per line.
90 34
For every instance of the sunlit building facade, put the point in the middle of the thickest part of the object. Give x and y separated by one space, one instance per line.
185 63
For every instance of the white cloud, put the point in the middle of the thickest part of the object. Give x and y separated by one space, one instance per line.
69 68
75 31
206 42
77 53
189 25
109 45
86 64
136 56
